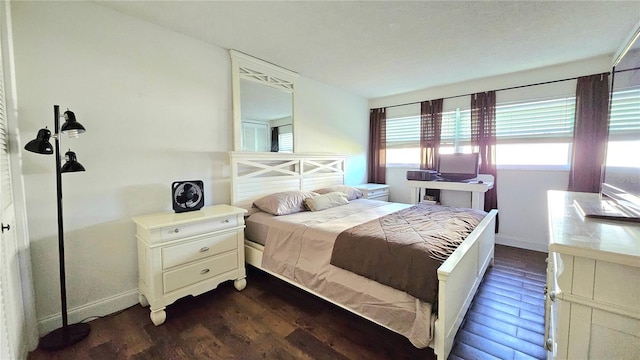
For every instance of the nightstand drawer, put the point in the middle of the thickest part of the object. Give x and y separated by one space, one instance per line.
374 191
185 230
176 279
198 249
377 193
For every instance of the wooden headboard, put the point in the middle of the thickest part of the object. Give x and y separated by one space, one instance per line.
255 174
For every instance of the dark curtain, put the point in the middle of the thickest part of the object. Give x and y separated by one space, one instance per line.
430 128
590 132
483 139
275 144
377 166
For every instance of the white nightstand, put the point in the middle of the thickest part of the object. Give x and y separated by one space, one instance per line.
374 191
188 254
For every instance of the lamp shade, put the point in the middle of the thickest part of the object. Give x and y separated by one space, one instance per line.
71 127
72 164
40 144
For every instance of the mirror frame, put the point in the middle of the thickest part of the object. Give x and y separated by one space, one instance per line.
253 69
626 46
628 197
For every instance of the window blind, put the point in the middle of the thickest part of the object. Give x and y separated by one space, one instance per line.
544 120
456 128
403 132
624 118
285 142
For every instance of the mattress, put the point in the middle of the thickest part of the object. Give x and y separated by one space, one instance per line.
299 246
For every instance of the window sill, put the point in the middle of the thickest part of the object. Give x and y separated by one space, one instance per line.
500 167
535 167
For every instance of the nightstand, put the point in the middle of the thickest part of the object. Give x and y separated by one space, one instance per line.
374 191
188 253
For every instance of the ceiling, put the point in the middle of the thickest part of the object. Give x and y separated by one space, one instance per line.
381 48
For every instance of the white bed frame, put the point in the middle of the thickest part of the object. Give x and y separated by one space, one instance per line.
256 174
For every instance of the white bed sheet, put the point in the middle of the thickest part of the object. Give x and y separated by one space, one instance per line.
298 247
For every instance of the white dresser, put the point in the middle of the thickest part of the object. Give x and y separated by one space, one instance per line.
593 284
374 191
189 253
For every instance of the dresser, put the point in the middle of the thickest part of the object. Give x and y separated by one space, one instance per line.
374 191
592 305
188 253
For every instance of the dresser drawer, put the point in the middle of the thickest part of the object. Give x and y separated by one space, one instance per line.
202 270
185 230
201 248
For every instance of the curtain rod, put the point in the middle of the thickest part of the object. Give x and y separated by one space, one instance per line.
503 89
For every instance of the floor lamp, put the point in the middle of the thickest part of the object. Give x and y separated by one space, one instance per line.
68 334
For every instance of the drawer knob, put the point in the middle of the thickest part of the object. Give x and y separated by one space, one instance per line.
204 249
204 271
552 295
176 230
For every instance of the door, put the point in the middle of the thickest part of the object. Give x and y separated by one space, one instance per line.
12 318
255 136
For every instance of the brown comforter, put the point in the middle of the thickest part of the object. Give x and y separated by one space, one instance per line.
404 249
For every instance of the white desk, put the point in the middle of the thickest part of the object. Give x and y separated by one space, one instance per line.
476 189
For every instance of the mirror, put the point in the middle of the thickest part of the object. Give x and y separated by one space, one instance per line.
622 172
266 118
263 93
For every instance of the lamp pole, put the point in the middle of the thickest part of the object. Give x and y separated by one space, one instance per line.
63 282
66 335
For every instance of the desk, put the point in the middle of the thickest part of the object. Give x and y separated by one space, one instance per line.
477 190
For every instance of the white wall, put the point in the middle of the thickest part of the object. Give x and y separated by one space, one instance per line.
333 120
521 193
157 108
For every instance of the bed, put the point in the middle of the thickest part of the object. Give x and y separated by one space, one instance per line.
254 175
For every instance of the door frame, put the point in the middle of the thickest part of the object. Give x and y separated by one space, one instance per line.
29 340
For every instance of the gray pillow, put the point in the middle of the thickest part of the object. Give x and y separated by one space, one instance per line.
326 201
351 192
283 203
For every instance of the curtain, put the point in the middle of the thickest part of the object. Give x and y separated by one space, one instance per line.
430 128
377 164
483 139
590 132
275 144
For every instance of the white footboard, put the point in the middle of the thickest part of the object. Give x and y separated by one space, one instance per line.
459 278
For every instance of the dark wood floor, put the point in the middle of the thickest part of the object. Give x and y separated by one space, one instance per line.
273 320
506 319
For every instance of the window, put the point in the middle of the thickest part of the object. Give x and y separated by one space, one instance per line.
455 136
403 140
285 139
624 129
403 136
529 133
285 143
535 133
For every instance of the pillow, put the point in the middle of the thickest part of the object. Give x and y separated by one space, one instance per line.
351 192
283 203
326 201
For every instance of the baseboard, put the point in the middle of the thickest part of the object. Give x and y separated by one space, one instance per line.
523 244
101 307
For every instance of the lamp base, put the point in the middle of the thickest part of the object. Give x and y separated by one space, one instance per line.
64 336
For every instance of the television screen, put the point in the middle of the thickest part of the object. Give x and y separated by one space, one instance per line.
458 167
